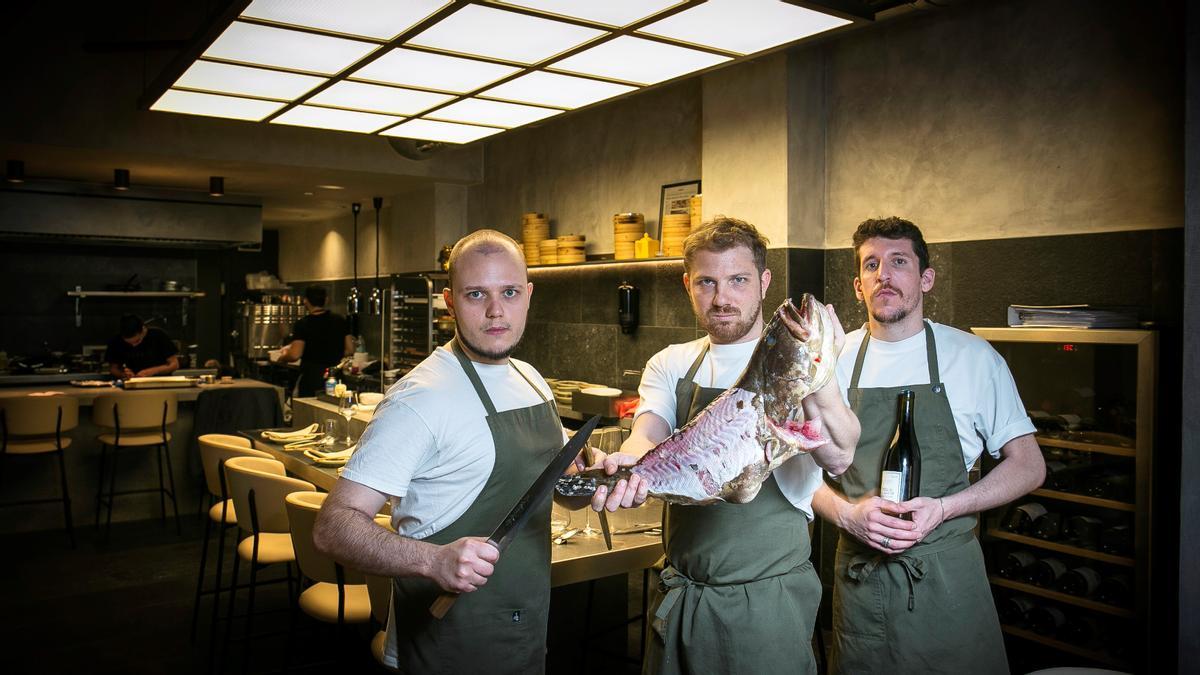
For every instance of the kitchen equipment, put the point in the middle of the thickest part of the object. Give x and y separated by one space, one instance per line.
264 326
593 400
503 535
627 307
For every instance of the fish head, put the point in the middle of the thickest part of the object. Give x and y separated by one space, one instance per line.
795 356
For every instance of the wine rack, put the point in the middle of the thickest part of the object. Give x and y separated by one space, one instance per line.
419 319
1091 395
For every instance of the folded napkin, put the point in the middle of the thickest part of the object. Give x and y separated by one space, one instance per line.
307 433
337 458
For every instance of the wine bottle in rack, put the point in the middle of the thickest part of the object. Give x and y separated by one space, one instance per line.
1115 589
1110 484
1048 571
900 475
1014 608
1117 540
1082 581
1049 526
1021 518
1083 531
1064 476
1079 629
1046 620
1017 565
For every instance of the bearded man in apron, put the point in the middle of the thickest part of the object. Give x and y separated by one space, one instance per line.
912 596
738 593
453 446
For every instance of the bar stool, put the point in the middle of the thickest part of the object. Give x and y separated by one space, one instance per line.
258 487
215 450
338 594
137 420
33 425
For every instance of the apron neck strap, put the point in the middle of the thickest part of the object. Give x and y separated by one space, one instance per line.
473 376
930 356
691 373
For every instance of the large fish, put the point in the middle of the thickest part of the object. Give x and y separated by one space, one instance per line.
728 449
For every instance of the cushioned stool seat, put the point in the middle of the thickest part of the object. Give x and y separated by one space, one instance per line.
320 601
32 426
273 547
34 446
214 512
134 439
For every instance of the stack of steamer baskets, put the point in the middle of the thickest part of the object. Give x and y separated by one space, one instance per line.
535 228
572 248
627 229
675 228
549 252
694 207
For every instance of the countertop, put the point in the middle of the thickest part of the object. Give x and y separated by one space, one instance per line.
87 395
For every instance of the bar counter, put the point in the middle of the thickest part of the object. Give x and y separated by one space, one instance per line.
87 395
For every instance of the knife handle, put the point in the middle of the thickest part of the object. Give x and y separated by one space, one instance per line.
442 605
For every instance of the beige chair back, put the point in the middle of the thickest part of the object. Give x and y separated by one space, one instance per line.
39 415
302 508
214 451
228 439
135 410
268 480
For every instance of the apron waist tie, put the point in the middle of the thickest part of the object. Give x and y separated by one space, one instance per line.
863 563
672 583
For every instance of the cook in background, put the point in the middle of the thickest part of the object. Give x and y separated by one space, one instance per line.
743 594
140 351
453 446
913 596
320 340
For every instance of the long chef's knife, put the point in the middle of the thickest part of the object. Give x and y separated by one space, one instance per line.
590 459
541 488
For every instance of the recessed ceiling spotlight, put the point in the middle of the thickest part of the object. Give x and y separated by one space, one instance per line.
14 171
331 187
121 179
216 186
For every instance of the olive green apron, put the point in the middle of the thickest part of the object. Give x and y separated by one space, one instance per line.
741 595
501 627
928 609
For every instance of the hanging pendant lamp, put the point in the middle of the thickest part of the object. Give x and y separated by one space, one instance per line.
352 299
375 302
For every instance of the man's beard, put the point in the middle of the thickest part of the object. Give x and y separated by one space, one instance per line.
490 355
730 331
898 314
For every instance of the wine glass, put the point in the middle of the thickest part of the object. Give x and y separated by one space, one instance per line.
346 409
330 432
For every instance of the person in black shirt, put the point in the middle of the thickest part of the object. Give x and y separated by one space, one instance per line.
140 351
321 339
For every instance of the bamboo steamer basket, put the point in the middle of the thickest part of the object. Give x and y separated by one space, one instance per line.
627 229
572 248
548 249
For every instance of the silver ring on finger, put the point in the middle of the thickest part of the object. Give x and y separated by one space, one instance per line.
887 542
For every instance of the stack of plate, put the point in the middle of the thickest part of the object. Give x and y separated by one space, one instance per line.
535 228
696 211
549 251
675 228
627 229
572 248
564 389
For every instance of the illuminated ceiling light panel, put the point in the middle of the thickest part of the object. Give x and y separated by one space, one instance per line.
231 79
282 48
493 113
340 120
633 59
484 31
445 132
432 71
215 105
610 12
377 98
560 91
379 19
743 26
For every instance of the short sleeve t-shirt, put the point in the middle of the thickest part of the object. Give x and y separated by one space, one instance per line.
324 338
153 350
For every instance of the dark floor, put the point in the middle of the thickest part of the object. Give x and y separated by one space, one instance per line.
126 607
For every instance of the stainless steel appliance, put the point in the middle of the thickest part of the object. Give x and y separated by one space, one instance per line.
420 321
263 326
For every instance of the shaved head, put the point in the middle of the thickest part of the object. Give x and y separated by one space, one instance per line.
486 242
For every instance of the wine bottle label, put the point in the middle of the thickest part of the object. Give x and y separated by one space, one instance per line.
889 486
1023 558
1032 509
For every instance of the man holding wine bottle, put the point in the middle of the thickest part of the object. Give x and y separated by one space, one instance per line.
910 589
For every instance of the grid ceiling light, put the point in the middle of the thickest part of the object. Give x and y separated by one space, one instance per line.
290 49
230 79
492 113
560 91
378 19
340 120
637 60
432 71
445 132
378 98
215 105
508 36
609 12
743 26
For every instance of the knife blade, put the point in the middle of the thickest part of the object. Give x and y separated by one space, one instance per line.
541 488
589 457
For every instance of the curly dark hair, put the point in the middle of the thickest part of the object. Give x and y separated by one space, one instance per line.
891 228
721 234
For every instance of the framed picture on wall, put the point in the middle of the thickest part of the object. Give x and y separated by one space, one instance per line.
675 199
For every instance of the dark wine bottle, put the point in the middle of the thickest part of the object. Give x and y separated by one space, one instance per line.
1116 589
1079 630
1045 620
1049 526
1117 540
1083 531
900 475
1048 571
1064 476
1116 485
1013 609
1021 518
1081 581
1017 565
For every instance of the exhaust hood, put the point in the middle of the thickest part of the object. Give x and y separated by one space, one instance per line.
87 213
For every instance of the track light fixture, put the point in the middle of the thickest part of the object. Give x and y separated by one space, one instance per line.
216 186
121 179
14 171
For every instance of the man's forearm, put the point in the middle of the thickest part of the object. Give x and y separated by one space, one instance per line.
838 422
829 505
1021 471
356 540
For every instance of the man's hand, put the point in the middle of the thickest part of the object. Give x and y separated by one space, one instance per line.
870 523
464 565
145 372
839 333
626 493
927 514
126 373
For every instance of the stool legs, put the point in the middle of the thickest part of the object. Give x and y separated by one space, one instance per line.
200 576
112 491
66 496
171 480
100 480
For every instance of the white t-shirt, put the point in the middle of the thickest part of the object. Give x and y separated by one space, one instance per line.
983 396
428 446
798 478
